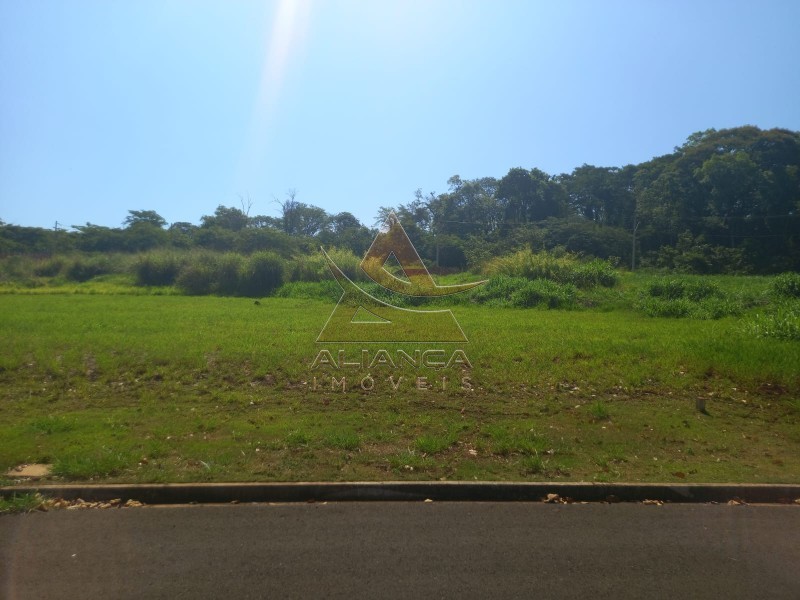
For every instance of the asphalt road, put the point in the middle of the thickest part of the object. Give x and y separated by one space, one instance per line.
404 550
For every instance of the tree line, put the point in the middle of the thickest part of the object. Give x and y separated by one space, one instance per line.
723 201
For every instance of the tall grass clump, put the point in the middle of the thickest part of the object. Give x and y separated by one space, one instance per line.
545 293
519 292
49 267
564 269
780 322
594 273
692 289
314 267
231 274
21 503
310 290
498 290
307 267
158 268
780 319
103 463
198 276
786 285
86 267
262 273
687 297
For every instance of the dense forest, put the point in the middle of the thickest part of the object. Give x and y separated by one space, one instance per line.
725 201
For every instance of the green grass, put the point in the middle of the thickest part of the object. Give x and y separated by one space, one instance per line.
343 440
17 503
434 444
91 463
780 321
170 388
599 410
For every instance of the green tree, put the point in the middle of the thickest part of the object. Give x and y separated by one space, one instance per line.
226 217
602 194
150 217
468 208
530 196
733 183
346 231
144 230
97 238
299 218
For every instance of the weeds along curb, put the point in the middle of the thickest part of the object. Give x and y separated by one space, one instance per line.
210 493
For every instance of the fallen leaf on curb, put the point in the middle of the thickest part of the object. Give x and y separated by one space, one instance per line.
80 504
736 502
797 501
653 502
54 503
556 499
428 500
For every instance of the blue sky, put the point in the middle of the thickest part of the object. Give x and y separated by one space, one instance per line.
180 106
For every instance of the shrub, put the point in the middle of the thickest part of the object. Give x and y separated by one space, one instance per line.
262 273
694 255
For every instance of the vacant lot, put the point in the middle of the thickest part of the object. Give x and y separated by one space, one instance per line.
173 388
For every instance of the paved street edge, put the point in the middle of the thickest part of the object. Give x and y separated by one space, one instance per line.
455 491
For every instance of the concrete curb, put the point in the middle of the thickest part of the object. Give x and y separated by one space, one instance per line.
450 491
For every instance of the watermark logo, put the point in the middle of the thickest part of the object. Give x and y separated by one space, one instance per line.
360 317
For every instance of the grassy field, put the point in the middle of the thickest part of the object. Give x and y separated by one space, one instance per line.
152 388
